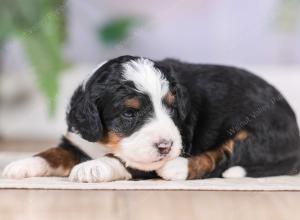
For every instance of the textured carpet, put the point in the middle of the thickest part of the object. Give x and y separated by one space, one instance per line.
282 183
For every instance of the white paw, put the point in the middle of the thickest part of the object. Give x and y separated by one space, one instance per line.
234 172
100 170
176 169
29 167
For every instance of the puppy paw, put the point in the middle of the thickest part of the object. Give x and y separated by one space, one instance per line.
104 169
234 172
29 167
176 169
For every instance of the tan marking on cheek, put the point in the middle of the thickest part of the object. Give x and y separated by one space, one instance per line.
241 135
59 157
133 103
169 98
112 140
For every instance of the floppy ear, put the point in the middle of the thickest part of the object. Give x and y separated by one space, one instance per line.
83 117
183 101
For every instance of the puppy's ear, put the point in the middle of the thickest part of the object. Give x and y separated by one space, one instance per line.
83 117
183 101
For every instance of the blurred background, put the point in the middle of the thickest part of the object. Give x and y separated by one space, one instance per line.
48 46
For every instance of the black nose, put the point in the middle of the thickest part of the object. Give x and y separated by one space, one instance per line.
164 146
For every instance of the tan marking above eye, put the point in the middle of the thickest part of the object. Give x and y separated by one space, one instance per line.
241 135
133 103
169 98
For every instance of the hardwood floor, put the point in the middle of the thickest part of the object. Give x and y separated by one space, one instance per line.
21 145
140 205
144 205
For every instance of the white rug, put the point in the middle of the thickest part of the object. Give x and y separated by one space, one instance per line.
282 183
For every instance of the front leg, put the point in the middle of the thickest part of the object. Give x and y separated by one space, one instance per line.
52 162
176 169
104 169
56 161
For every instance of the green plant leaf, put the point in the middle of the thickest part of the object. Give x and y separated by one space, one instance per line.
117 30
43 49
40 26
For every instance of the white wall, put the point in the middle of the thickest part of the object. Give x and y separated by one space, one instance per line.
222 31
242 33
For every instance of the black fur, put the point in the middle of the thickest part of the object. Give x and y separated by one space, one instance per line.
83 116
213 103
79 155
226 100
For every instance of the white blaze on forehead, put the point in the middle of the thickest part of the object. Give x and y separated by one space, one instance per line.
147 79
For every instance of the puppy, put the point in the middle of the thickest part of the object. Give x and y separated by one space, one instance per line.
172 120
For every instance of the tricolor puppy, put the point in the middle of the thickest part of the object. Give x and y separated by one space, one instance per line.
173 120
